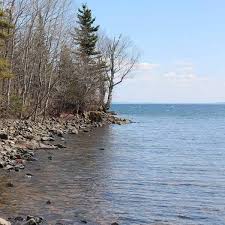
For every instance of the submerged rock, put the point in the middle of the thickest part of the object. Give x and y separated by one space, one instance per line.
60 146
33 220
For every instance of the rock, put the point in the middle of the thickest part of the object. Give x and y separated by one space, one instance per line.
115 223
102 149
32 145
48 202
31 221
47 139
30 129
4 136
4 222
95 116
44 146
29 136
50 157
8 167
16 169
112 113
2 164
86 131
73 131
19 167
29 175
60 146
18 218
9 184
59 133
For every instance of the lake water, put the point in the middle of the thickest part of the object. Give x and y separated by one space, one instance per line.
166 168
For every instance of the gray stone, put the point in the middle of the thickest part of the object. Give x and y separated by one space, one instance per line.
47 139
4 222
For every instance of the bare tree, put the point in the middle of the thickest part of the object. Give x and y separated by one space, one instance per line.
121 57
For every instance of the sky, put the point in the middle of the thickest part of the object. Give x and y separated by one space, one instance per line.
182 47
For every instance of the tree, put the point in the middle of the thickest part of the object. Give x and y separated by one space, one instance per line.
121 58
86 34
5 28
89 64
5 65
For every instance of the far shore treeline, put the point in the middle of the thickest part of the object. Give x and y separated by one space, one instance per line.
56 60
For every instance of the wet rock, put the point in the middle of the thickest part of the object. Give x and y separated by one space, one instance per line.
112 113
4 222
4 136
2 164
101 149
19 218
73 131
47 139
60 133
115 223
33 220
48 202
44 146
29 175
60 146
19 167
50 157
16 169
9 184
8 167
86 131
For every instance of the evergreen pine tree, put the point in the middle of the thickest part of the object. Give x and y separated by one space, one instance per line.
86 34
90 66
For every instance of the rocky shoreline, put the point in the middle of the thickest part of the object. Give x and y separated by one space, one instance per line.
19 139
35 220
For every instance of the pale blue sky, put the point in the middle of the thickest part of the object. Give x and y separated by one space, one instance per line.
182 44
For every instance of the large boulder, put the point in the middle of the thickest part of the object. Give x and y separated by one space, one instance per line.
95 116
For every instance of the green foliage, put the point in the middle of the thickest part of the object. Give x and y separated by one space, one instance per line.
86 37
16 105
5 71
5 27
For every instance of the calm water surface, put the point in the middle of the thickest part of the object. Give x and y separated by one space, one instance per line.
167 168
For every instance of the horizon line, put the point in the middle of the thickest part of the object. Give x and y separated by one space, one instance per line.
175 103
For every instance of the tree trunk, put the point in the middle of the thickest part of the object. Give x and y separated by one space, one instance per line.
109 99
8 93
